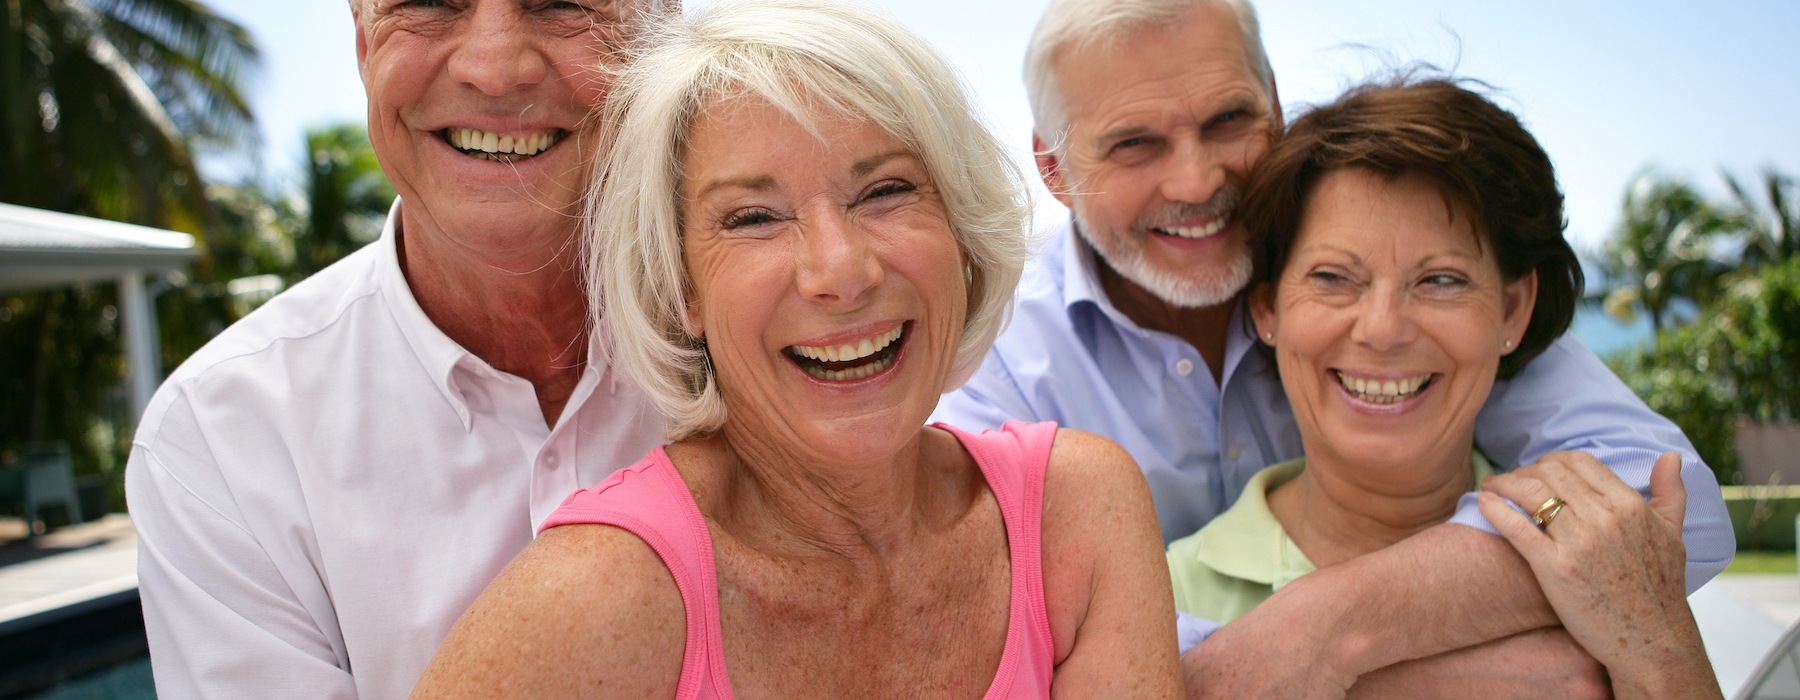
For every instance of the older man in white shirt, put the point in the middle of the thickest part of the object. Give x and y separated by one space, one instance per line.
322 489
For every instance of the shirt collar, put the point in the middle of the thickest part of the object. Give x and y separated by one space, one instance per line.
452 367
1247 542
1080 270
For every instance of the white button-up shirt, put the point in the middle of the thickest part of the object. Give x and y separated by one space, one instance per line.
322 490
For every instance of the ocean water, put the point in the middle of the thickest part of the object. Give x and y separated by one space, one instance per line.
1606 335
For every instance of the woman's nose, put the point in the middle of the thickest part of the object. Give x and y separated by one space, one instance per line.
1384 320
837 265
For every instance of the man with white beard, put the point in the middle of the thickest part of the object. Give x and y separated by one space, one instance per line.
1150 115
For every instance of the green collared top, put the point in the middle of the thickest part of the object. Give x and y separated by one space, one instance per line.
1243 556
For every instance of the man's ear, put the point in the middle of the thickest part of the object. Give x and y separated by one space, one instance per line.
1521 298
1275 104
1050 169
362 42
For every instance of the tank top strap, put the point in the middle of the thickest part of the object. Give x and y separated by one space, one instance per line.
650 500
1013 459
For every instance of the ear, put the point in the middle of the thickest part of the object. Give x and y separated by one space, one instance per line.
1262 314
693 321
1050 169
362 44
1521 298
1275 104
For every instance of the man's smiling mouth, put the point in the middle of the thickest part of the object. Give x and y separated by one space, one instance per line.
502 148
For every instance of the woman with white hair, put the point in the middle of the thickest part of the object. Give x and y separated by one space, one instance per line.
804 238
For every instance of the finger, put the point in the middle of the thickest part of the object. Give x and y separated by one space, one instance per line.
1518 529
1528 492
1597 475
1565 480
1668 494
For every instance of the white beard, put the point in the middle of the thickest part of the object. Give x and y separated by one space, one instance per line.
1213 286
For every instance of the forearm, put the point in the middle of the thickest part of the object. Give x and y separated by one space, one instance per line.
1447 588
1568 400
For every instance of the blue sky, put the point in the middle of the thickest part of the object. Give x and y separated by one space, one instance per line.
1608 87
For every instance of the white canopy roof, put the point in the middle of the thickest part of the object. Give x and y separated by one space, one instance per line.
40 249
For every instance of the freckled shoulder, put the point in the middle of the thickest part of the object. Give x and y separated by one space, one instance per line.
1106 582
585 610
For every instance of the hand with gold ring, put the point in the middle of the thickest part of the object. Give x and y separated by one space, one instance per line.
1613 568
1547 512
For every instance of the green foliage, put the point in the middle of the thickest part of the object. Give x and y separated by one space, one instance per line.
347 196
100 98
1662 250
67 340
1741 361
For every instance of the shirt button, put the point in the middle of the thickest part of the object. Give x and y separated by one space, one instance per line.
1232 452
551 460
1184 367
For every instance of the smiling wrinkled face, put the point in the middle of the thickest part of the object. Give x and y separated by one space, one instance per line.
478 109
825 278
1389 322
1164 127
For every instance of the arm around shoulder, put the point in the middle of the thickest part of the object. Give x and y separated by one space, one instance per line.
585 611
1567 400
1106 581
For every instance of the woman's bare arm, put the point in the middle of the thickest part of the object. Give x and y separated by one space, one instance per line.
1105 578
585 611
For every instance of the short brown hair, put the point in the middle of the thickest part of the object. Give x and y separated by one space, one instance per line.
1477 154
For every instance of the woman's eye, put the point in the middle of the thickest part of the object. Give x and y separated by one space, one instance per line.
1326 276
890 188
1444 280
747 217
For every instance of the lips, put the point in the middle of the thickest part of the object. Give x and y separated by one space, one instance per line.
1206 230
501 147
1383 390
850 361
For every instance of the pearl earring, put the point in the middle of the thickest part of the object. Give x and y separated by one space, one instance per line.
1508 343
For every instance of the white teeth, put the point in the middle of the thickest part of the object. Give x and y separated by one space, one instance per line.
1217 225
500 144
848 352
1383 391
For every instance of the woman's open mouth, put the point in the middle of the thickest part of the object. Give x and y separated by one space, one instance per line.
1383 391
850 361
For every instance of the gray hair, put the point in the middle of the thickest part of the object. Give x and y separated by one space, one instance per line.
809 58
650 6
1095 22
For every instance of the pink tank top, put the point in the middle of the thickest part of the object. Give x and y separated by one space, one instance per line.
650 500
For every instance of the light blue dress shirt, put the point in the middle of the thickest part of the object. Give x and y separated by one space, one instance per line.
1070 356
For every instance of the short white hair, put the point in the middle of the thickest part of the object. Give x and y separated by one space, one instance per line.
809 58
1070 23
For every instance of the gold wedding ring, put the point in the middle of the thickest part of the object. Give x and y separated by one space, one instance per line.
1547 512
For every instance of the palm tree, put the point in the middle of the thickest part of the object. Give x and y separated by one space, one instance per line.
346 197
1662 249
1771 235
102 103
101 100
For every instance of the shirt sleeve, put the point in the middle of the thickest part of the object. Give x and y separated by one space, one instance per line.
224 620
1190 631
1567 400
985 402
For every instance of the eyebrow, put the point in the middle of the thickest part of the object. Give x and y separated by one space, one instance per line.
1120 133
868 165
752 182
767 182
